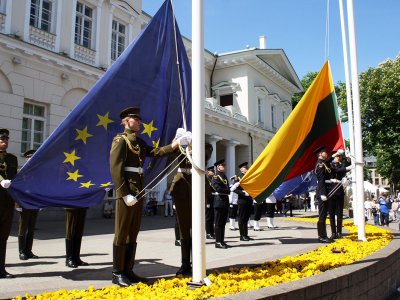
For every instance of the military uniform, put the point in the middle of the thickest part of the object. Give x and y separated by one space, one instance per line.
245 203
8 171
74 226
220 185
209 208
127 156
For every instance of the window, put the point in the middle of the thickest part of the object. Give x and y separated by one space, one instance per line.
273 121
83 25
3 6
260 111
41 14
226 100
117 39
33 124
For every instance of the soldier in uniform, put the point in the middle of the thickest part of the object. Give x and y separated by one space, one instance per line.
181 191
8 170
127 156
74 225
323 173
210 206
27 222
221 188
339 170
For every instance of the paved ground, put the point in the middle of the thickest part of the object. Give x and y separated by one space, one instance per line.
157 256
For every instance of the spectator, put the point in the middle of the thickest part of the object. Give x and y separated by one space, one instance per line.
375 211
384 210
368 208
395 208
108 209
168 203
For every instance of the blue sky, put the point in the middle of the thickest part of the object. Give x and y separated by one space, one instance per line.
297 27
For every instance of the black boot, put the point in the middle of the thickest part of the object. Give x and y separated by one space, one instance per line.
69 259
77 251
129 262
22 247
243 233
118 276
3 272
339 228
186 268
29 243
322 236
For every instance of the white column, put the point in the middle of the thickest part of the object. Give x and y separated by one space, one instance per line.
26 21
97 37
110 21
7 24
130 36
213 139
73 21
58 7
230 157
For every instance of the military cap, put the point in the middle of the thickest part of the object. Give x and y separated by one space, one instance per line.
219 162
245 164
319 150
130 112
29 153
4 132
210 168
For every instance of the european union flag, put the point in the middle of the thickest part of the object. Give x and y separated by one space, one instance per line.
299 185
71 168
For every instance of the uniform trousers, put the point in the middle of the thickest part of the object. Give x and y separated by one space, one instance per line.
221 216
210 216
27 221
244 212
127 222
233 211
258 210
7 205
323 207
336 208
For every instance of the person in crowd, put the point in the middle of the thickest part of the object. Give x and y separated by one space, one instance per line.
233 204
168 203
221 193
375 211
336 202
259 208
74 226
8 171
210 206
395 208
270 204
368 208
127 156
384 210
27 222
306 199
288 199
108 209
323 173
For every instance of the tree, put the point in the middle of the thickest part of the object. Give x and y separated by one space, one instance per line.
305 82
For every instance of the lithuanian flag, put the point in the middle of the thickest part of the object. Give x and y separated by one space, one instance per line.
313 123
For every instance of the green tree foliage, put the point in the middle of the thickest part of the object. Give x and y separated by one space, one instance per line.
305 82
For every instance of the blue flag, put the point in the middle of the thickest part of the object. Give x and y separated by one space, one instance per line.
299 185
71 168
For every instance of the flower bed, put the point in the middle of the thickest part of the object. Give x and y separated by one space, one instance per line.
342 252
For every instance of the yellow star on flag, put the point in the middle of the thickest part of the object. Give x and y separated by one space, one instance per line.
148 128
70 157
106 184
87 184
104 121
155 143
74 176
83 135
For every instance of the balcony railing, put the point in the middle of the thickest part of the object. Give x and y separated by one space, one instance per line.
42 38
85 55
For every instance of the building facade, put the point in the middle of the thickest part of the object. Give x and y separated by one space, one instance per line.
53 51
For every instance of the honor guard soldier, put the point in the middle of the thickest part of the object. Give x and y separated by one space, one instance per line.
127 156
8 171
323 173
27 222
339 170
245 203
220 185
210 206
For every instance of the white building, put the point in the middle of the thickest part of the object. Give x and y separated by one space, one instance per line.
53 51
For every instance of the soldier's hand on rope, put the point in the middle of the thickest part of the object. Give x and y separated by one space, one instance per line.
235 186
180 132
182 140
323 198
130 200
188 136
5 183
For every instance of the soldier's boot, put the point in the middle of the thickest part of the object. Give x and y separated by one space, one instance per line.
29 243
69 251
129 262
186 268
339 228
118 276
3 272
77 251
333 226
243 232
22 247
322 236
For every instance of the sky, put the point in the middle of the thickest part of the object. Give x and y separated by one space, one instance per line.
296 26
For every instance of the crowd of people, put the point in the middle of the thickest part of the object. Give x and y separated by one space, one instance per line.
383 209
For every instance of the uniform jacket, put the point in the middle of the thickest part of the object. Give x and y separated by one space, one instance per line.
122 156
242 198
323 173
338 172
8 169
219 182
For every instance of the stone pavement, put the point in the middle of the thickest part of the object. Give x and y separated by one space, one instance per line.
156 257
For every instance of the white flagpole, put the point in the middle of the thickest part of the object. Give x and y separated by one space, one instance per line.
359 165
349 105
198 178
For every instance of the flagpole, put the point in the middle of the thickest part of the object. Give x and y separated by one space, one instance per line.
359 165
198 177
349 105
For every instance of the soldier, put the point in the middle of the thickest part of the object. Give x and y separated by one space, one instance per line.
210 206
74 225
27 222
245 203
233 204
8 170
127 156
339 170
323 173
220 185
181 191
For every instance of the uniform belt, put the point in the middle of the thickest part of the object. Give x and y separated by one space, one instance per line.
220 194
138 170
335 180
328 181
183 170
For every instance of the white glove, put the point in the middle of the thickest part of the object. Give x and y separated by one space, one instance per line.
347 152
182 140
323 198
235 186
188 136
180 132
107 189
5 183
246 193
19 209
208 205
130 200
349 168
340 152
